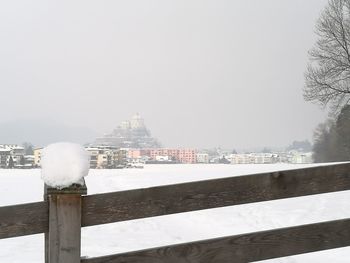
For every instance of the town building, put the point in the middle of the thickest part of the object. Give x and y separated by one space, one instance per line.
102 157
11 155
134 154
173 154
94 152
268 158
120 158
5 154
253 158
37 156
301 157
202 158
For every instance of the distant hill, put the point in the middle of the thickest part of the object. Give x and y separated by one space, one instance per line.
42 133
130 134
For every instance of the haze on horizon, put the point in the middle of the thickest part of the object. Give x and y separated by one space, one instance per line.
201 73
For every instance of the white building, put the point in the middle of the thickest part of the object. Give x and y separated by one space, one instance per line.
4 157
161 158
37 157
202 158
239 158
253 158
13 151
299 157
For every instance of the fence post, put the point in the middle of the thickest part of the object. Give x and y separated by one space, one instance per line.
62 242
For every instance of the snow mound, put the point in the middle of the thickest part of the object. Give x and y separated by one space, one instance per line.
64 164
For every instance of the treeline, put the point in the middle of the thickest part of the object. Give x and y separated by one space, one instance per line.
332 139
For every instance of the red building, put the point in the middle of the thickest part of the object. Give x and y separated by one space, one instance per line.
179 155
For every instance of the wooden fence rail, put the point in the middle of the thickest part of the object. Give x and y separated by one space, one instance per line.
44 217
186 197
26 219
244 248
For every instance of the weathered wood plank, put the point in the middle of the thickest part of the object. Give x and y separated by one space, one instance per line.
63 241
63 210
244 248
64 228
185 197
24 219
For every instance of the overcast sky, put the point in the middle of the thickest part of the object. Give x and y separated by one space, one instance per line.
201 73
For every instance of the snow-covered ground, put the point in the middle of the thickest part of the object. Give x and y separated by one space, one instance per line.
23 186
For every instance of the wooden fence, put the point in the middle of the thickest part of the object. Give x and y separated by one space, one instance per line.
64 212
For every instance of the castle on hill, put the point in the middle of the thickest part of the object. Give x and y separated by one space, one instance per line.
129 134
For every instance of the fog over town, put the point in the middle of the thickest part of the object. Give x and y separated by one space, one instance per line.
184 131
201 73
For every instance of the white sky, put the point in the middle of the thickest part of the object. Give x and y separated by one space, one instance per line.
202 73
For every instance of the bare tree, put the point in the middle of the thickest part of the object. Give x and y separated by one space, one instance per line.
327 79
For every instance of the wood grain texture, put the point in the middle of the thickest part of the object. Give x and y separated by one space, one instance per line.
64 228
244 248
185 197
62 241
24 219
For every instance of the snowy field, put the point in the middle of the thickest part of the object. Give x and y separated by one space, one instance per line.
23 186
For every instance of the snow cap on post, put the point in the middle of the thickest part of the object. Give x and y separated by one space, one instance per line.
64 164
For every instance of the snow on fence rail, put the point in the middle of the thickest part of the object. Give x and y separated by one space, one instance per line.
65 211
